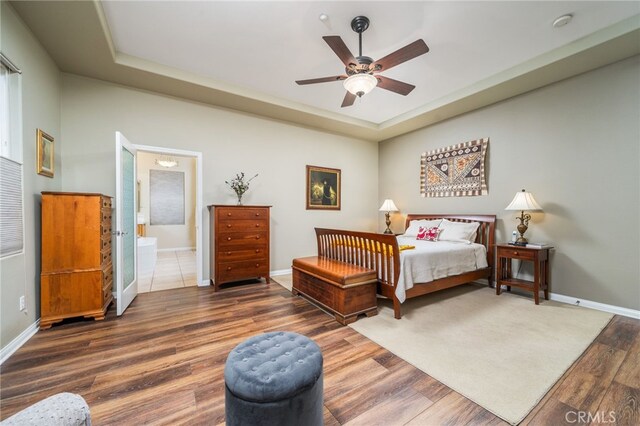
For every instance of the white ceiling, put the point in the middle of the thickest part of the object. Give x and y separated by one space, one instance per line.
265 46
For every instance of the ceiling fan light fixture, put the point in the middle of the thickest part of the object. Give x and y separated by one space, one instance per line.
360 84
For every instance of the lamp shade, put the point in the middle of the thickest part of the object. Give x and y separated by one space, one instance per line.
523 201
388 206
360 84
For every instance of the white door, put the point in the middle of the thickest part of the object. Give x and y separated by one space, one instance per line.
126 208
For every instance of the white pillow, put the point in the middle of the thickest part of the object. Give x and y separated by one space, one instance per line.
464 232
414 226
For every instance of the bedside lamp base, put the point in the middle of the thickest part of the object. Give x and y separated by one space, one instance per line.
522 228
388 221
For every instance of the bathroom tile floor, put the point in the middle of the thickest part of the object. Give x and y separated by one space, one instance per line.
174 269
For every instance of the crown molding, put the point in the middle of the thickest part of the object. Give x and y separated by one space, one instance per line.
94 55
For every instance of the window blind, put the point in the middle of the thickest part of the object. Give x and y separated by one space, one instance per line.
11 227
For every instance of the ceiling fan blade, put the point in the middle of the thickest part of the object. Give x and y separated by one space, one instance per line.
394 85
322 80
348 100
337 45
404 54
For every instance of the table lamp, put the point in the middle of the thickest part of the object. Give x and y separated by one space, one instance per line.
388 206
523 201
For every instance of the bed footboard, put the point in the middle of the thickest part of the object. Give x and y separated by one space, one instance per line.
379 252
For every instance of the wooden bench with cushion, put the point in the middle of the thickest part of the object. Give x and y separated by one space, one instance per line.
344 289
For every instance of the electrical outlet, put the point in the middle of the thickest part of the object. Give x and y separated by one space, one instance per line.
22 303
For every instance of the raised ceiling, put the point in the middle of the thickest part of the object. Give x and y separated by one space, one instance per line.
247 55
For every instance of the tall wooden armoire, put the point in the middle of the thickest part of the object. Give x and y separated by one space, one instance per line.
76 276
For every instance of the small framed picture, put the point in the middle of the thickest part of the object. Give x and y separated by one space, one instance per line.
44 149
323 188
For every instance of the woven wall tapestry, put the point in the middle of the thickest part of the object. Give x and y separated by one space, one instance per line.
454 171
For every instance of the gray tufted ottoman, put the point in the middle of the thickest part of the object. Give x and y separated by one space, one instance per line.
274 379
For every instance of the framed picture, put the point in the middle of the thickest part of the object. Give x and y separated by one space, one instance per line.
323 188
44 149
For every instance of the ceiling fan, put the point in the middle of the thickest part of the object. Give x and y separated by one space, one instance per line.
359 78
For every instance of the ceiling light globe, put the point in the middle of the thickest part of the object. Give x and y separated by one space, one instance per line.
360 84
167 162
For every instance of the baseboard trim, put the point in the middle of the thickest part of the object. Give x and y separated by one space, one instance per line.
280 272
17 343
618 310
175 249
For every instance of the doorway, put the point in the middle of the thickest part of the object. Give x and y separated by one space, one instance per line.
169 218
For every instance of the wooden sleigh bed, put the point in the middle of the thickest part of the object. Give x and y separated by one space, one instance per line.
380 253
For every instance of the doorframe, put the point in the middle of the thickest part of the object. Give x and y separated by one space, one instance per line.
198 156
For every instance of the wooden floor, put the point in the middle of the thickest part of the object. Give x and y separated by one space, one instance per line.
162 363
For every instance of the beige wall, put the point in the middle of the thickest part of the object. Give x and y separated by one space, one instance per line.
230 142
169 236
576 146
20 275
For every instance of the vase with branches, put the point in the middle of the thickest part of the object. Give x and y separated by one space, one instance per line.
240 185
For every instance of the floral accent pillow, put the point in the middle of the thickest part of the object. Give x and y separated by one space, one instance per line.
415 225
428 234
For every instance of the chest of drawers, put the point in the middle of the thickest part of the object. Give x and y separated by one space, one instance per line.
239 243
76 276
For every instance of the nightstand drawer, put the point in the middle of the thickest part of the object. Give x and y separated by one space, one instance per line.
516 253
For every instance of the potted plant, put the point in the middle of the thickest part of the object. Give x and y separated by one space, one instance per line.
239 185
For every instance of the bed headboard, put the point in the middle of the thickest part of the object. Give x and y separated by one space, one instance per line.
486 230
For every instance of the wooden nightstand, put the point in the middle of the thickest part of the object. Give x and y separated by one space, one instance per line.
540 259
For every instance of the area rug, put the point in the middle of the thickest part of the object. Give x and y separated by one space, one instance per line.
285 281
502 352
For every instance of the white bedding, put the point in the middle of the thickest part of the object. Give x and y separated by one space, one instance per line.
434 260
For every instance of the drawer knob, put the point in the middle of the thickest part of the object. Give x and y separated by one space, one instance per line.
257 214
228 225
257 265
257 237
515 253
229 214
257 225
228 238
228 268
257 251
228 253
